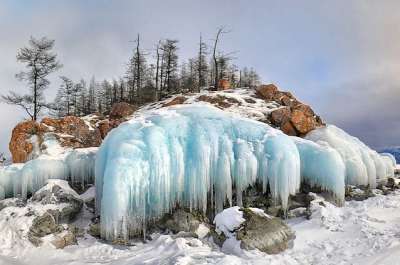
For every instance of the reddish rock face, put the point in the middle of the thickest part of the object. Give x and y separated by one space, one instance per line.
175 101
295 118
219 101
224 84
70 132
280 116
104 127
73 132
20 145
121 110
287 128
118 114
268 92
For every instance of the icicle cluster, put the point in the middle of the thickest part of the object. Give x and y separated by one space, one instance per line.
190 156
20 180
322 166
363 165
197 156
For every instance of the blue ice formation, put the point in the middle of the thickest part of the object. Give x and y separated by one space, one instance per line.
191 156
391 157
20 180
364 166
197 156
395 151
322 166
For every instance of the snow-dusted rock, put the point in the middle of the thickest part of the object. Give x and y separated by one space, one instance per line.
28 138
254 229
12 202
44 215
182 221
59 192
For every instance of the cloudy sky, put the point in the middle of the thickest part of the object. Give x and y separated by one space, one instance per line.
342 57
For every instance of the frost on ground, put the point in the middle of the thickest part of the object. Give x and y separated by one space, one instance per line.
365 232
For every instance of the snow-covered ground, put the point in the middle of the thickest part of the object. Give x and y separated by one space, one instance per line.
365 232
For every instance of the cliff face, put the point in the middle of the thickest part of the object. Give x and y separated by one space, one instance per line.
266 104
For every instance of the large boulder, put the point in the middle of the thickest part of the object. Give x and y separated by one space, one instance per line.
293 117
263 232
23 140
268 92
59 192
73 132
254 229
27 139
193 223
119 113
43 225
121 110
303 118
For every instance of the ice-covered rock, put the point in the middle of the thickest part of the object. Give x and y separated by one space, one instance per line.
198 156
322 166
363 165
40 219
188 155
75 165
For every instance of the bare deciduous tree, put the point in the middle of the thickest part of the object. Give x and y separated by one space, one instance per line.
220 31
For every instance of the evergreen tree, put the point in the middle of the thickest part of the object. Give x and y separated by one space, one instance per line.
64 100
40 62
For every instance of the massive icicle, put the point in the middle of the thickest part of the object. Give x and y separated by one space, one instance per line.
322 166
20 180
363 165
184 156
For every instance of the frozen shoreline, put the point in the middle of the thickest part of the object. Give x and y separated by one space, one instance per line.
364 232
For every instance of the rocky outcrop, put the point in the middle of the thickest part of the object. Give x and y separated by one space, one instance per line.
254 229
265 233
73 132
43 225
70 131
119 113
22 140
59 192
121 110
65 238
182 221
175 101
293 118
104 127
62 204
